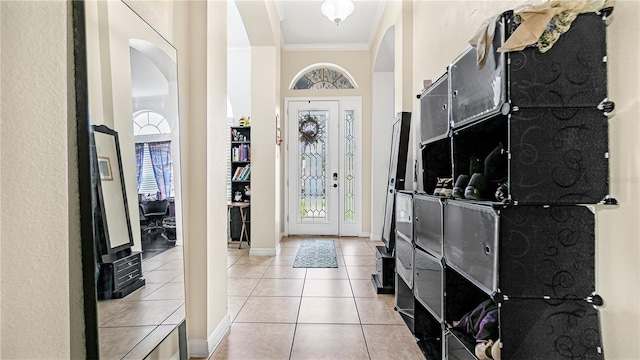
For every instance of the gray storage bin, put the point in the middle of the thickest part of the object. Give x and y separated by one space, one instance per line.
404 258
404 214
428 283
434 111
428 224
471 242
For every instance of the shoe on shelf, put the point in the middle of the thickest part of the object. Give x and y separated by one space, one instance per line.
439 185
447 187
502 192
458 189
495 350
495 164
475 165
483 350
444 186
475 189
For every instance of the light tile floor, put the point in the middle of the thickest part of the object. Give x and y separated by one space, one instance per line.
281 312
131 327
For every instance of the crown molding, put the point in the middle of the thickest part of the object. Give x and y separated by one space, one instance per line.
326 47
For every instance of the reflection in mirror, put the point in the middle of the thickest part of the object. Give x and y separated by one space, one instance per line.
133 105
109 180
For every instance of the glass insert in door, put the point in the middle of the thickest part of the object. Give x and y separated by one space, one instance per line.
349 167
313 155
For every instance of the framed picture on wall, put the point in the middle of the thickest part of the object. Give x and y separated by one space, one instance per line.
104 164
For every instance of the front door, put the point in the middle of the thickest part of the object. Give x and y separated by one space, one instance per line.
322 193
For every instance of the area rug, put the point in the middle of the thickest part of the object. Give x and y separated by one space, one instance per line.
316 254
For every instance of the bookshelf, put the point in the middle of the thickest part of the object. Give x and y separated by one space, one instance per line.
240 163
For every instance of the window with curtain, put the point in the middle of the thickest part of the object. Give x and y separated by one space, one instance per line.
154 161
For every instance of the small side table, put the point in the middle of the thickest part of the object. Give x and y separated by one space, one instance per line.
242 206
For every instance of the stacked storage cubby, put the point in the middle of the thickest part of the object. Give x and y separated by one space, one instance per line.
533 253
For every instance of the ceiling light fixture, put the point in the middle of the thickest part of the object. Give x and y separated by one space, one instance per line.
337 10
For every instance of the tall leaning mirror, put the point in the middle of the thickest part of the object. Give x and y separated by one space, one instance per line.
132 92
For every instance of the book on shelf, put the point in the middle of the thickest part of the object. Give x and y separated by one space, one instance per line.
244 173
236 174
241 153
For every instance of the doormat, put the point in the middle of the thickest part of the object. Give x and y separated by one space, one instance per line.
316 254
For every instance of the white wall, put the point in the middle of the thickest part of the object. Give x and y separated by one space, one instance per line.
382 117
618 233
618 228
239 81
41 294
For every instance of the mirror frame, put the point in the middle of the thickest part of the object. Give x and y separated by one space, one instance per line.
104 243
86 166
85 188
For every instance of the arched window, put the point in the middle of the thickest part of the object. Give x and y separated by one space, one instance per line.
150 123
323 78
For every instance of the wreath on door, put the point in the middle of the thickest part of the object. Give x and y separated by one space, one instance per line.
308 129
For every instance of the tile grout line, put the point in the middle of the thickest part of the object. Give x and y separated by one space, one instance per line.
295 327
366 345
301 295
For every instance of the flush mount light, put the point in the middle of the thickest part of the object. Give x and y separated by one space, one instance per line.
337 10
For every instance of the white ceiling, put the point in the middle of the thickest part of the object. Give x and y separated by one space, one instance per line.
303 26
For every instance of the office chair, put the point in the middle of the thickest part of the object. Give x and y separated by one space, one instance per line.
154 211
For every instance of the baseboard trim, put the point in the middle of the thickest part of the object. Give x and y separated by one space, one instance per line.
375 237
365 234
262 251
204 348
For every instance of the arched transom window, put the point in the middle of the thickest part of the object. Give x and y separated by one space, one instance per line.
150 123
323 78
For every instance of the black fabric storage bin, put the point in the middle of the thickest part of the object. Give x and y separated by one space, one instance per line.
547 252
559 156
550 330
573 73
